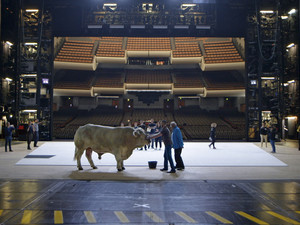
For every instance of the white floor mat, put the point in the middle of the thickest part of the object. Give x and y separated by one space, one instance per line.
194 154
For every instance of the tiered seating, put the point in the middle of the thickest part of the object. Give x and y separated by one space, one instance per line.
187 80
109 80
148 77
222 80
108 116
110 49
74 80
146 115
177 39
187 49
221 52
76 51
118 39
196 124
148 44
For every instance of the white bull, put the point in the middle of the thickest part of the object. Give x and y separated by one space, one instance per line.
119 141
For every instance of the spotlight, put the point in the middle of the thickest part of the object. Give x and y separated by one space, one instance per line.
290 45
292 11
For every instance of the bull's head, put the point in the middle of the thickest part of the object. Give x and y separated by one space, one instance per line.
141 137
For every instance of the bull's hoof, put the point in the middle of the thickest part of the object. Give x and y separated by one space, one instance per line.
120 170
94 167
123 168
80 168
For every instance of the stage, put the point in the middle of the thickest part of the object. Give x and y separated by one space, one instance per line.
194 154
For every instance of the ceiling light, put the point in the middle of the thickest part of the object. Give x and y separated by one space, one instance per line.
8 79
110 4
291 81
268 78
29 110
290 45
292 11
9 43
31 10
266 11
30 43
188 5
284 17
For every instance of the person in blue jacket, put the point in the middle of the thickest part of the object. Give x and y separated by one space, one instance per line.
177 141
8 136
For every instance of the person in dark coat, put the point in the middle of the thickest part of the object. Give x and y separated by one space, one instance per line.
263 135
29 135
143 126
177 141
158 140
8 136
212 135
272 137
166 136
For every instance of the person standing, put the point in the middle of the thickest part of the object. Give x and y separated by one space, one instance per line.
263 135
8 135
212 135
166 136
29 135
298 130
36 132
158 140
152 127
143 126
177 141
272 137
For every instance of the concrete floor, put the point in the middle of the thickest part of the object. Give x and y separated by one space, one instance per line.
198 195
287 152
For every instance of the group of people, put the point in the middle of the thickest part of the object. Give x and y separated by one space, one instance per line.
266 132
159 132
32 134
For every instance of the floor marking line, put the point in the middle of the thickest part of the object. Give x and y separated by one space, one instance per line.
186 217
58 217
252 218
284 218
26 219
89 215
218 217
154 217
1 211
297 212
122 217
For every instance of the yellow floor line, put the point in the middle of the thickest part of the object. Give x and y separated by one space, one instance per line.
186 217
1 211
90 216
26 219
283 217
252 218
122 217
154 217
297 212
218 217
58 217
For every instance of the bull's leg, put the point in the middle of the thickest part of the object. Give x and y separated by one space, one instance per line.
88 154
99 155
119 163
78 154
123 168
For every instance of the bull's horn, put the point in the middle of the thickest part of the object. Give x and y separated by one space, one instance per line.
134 133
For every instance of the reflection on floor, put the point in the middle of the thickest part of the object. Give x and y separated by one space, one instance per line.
165 202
